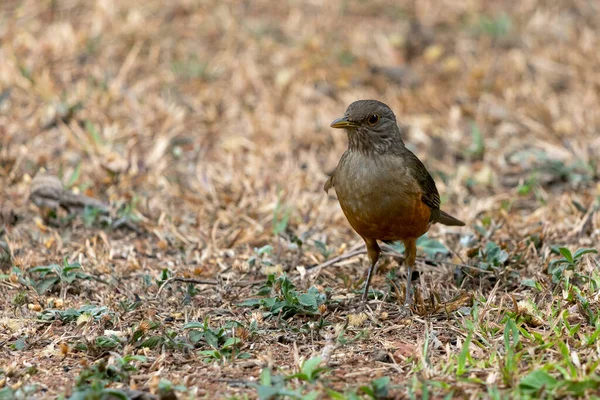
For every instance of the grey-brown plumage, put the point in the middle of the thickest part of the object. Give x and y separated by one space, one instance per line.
384 190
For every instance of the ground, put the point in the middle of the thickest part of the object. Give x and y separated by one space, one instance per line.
202 129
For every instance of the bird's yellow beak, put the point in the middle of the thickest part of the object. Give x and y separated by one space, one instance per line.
343 123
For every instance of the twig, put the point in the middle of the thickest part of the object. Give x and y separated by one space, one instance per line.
336 260
389 252
205 282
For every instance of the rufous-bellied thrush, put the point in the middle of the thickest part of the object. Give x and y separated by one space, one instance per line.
384 190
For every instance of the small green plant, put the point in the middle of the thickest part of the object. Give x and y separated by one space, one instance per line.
276 386
493 256
284 300
93 382
261 256
529 184
23 392
127 215
477 147
87 312
378 389
323 249
495 27
532 283
165 274
281 217
509 364
463 356
222 346
431 247
94 215
568 262
310 370
540 382
49 275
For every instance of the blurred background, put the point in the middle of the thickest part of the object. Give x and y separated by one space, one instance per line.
232 99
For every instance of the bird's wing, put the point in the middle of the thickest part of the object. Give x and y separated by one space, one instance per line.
329 183
430 195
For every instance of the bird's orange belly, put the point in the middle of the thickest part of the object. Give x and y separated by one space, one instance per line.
395 221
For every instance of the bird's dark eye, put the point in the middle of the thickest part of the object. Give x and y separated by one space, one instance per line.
373 119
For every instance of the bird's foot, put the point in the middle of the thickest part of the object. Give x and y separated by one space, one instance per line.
404 311
361 306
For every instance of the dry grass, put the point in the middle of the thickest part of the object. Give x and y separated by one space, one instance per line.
205 125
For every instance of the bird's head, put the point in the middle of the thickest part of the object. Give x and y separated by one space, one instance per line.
371 126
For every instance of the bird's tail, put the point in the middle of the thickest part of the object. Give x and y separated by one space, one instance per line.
449 220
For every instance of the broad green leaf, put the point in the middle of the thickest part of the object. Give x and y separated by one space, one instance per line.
42 286
566 253
308 300
232 342
536 381
152 342
311 365
194 325
431 247
581 252
531 283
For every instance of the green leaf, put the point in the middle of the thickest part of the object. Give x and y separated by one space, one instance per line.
195 336
96 136
335 395
43 268
313 395
566 253
265 377
266 392
152 342
134 357
578 388
107 342
462 357
511 329
71 267
74 176
581 252
281 217
114 394
477 147
266 249
251 303
311 365
42 286
495 255
194 325
323 249
532 284
381 387
20 344
7 393
536 381
431 247
211 339
232 342
308 300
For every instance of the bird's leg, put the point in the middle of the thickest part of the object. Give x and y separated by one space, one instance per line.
373 251
411 254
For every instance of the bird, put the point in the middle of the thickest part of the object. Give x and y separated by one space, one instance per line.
384 190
